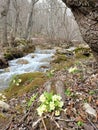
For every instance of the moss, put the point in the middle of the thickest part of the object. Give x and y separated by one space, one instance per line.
59 58
63 65
82 52
29 81
19 109
22 42
2 116
18 51
13 53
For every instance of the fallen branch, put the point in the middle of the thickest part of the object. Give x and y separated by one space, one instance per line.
92 124
44 123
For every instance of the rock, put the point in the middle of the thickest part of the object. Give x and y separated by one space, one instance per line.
7 69
60 89
12 53
22 61
4 106
3 63
90 110
58 58
57 87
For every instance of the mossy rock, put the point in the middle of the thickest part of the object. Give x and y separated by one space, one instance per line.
22 42
12 53
18 51
82 52
29 82
3 63
28 48
59 58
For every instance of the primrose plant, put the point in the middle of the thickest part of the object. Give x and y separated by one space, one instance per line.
17 82
49 103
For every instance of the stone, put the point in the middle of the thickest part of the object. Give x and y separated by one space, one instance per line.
4 106
3 63
22 61
57 87
90 110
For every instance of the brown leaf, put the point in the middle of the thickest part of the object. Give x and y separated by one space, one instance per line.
79 118
89 99
97 102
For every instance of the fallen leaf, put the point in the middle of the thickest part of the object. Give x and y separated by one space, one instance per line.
89 99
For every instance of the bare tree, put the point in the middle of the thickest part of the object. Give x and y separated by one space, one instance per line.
15 4
30 19
4 14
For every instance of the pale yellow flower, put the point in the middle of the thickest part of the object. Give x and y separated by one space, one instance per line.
52 106
61 104
17 84
14 81
0 94
72 69
57 113
41 110
19 80
42 98
3 96
56 97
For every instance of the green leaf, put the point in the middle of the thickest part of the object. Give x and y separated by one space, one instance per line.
80 123
32 100
68 92
92 92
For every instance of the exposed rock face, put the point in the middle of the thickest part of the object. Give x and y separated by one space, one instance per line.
86 14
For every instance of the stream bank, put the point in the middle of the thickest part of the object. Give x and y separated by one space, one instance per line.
75 73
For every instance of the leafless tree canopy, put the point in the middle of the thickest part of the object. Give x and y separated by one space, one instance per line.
24 19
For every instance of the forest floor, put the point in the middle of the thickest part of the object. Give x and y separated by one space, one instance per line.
78 76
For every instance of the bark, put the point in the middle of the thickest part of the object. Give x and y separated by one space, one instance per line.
30 19
86 15
4 16
17 17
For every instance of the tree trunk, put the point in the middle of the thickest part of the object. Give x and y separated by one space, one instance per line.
16 17
30 19
4 16
86 15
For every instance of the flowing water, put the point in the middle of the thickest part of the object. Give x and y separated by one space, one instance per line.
37 61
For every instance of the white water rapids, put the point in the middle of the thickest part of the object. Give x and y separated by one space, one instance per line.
37 61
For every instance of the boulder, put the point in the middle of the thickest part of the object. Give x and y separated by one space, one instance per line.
57 87
4 106
22 61
3 63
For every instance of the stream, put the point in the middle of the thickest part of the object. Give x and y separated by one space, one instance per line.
33 62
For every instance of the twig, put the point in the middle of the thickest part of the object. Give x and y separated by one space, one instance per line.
92 123
8 126
35 123
25 116
57 124
60 119
44 123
